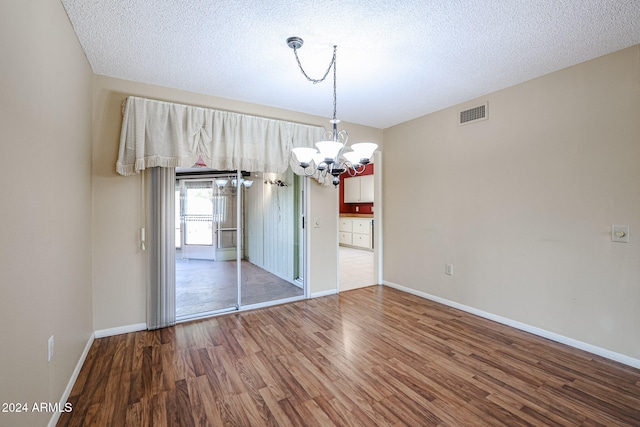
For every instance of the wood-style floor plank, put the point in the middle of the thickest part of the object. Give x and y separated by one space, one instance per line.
369 357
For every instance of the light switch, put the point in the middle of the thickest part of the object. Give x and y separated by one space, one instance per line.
620 233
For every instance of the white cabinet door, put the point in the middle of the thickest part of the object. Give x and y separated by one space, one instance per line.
366 189
351 190
358 189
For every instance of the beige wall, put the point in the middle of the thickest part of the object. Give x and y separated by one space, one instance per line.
522 204
45 188
119 273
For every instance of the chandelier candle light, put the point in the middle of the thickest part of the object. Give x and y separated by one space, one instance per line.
330 157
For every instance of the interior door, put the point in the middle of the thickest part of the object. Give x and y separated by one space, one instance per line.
198 235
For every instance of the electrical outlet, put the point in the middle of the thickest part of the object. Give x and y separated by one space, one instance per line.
620 233
448 269
50 349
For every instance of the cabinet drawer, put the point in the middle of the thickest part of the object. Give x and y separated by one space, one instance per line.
362 226
346 224
345 238
361 240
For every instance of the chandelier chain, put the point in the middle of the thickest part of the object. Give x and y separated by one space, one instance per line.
315 81
329 160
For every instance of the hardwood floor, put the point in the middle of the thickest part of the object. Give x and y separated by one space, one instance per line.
371 356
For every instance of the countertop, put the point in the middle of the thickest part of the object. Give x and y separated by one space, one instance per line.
355 215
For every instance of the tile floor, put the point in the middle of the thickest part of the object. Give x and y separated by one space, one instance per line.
206 286
356 268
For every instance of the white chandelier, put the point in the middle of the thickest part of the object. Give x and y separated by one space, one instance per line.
330 158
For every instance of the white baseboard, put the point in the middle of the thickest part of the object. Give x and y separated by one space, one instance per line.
324 293
630 361
74 376
120 330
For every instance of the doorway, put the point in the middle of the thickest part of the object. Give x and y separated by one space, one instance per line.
359 228
235 241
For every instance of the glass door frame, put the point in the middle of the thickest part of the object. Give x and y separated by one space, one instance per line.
301 223
215 238
239 236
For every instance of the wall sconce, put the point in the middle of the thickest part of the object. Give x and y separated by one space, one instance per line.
278 182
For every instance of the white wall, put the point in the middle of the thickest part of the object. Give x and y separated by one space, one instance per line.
269 224
254 224
119 274
522 204
45 193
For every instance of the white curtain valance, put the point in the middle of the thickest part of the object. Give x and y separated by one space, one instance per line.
156 133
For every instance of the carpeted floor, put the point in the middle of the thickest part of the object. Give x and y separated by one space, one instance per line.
204 286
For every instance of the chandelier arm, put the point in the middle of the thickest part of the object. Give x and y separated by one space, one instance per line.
313 170
327 135
343 137
352 170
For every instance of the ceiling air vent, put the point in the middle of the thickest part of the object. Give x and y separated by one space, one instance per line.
474 114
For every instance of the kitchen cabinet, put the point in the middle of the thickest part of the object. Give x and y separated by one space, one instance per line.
358 189
356 232
345 230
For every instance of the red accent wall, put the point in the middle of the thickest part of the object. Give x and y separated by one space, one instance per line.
363 208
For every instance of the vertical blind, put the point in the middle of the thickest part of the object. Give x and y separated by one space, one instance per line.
161 310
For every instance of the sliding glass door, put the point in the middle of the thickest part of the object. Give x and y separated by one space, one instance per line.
206 267
240 241
272 232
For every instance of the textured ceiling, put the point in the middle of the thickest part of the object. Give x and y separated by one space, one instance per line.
397 59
